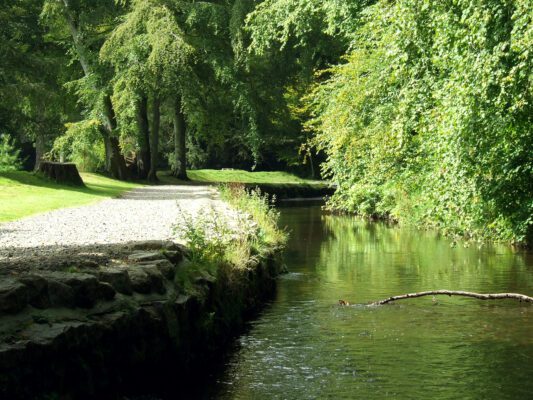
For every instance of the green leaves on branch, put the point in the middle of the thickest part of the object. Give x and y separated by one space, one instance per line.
429 119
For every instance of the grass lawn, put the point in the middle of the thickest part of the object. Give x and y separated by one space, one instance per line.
240 176
23 194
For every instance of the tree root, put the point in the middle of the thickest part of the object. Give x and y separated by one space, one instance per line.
481 296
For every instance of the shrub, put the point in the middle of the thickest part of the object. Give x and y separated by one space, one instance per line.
9 155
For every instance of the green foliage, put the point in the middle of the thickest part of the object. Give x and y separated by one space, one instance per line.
429 119
9 155
228 239
83 145
304 24
214 238
150 57
260 209
33 103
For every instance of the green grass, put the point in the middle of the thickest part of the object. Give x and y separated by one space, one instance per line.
240 176
23 193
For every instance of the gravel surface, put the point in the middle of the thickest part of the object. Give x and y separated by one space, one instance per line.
147 213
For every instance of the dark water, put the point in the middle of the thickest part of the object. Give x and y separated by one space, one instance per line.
304 346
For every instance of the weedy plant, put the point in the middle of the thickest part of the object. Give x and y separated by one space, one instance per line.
260 207
222 241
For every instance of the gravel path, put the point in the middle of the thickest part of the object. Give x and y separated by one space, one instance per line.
146 213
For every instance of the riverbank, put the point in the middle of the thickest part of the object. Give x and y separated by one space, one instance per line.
102 317
121 326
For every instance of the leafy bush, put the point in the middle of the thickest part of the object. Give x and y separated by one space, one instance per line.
213 237
9 155
429 119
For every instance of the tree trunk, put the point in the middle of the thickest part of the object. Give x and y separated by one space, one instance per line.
39 150
180 148
143 160
63 173
114 159
312 164
115 163
481 296
154 140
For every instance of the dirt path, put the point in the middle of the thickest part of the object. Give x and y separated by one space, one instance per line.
143 214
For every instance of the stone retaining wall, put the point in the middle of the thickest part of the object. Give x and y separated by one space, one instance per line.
119 327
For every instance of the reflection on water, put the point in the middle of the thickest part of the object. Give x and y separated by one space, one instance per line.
304 346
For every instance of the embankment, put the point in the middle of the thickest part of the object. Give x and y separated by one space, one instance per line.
285 191
117 323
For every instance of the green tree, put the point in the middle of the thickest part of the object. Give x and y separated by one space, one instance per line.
429 119
33 106
87 24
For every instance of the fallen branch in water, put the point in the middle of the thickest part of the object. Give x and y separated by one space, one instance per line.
481 296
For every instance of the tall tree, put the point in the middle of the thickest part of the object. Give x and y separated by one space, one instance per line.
429 120
88 23
33 103
151 59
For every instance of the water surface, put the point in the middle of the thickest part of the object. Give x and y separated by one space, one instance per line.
305 346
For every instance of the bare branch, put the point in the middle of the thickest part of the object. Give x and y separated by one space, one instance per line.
481 296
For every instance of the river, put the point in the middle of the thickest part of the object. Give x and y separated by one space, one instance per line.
305 346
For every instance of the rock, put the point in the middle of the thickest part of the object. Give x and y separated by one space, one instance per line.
118 278
205 277
156 278
88 264
164 266
106 291
173 246
173 256
149 245
39 319
60 294
37 290
143 256
13 296
87 290
140 280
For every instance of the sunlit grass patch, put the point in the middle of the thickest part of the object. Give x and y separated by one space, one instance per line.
23 193
241 176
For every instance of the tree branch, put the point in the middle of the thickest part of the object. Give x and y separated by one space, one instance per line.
481 296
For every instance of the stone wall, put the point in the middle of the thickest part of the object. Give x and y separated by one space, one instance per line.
119 327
